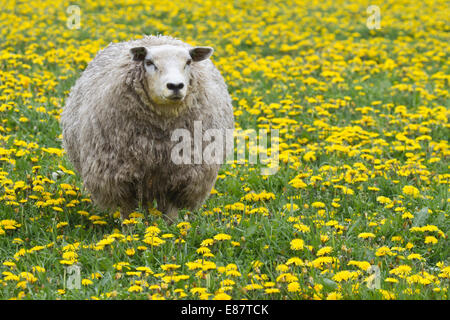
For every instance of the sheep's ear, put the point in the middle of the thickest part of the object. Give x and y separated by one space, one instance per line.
138 53
201 53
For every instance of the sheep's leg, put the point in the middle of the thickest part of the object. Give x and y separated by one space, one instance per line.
170 213
125 212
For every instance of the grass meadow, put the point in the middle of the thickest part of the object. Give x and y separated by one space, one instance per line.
358 207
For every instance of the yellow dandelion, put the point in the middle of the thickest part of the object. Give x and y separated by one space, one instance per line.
135 288
293 287
431 240
401 270
222 296
297 244
222 237
86 282
411 191
366 235
334 296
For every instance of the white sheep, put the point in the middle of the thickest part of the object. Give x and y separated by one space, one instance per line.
120 115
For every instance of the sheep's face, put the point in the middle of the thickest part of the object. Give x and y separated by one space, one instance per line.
167 70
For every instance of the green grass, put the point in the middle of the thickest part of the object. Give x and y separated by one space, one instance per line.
355 134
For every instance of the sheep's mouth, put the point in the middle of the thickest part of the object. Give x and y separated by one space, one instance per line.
176 97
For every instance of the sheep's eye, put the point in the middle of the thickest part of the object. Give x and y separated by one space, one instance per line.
188 63
149 63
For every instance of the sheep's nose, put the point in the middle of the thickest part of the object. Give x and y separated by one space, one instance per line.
175 86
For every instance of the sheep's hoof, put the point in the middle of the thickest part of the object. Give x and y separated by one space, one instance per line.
125 213
171 215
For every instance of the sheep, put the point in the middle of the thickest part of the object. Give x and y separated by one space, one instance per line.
120 115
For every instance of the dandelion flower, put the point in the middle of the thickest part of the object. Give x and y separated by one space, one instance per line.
293 287
334 296
366 235
222 237
135 288
401 270
222 296
411 191
297 244
86 282
430 240
323 251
